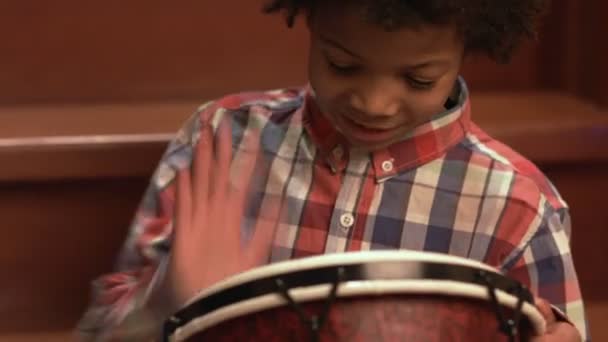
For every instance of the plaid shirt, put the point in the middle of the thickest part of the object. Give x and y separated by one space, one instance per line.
447 187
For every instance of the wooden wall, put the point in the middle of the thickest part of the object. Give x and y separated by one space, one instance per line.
574 51
90 93
74 51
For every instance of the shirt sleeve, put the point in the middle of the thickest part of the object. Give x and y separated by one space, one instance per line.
118 298
546 267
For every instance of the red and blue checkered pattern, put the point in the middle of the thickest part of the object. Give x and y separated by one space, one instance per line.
447 187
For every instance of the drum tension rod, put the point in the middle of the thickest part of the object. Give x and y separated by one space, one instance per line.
509 327
314 322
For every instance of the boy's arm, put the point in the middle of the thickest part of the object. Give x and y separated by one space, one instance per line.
120 308
118 304
547 268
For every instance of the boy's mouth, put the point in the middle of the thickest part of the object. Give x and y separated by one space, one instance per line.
363 133
365 126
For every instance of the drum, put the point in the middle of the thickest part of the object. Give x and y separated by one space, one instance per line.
362 296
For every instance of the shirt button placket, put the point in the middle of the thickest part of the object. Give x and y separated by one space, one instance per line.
347 220
387 166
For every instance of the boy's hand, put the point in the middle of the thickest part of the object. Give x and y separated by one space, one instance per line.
557 331
206 245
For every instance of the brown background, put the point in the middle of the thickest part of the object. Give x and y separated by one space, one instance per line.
122 76
76 51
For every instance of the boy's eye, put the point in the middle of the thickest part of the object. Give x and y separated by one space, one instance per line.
419 84
344 69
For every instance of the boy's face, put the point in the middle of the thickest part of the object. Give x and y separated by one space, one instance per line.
376 86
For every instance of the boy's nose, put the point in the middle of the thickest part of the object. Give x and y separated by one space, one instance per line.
376 101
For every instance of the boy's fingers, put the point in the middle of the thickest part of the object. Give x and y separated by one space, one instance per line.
261 243
183 201
562 332
223 150
201 172
545 309
238 178
243 172
245 161
258 250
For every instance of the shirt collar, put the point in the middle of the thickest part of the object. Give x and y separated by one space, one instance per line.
422 145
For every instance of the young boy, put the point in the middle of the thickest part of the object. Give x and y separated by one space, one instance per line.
378 152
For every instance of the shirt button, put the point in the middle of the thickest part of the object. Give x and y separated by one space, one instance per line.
347 220
338 152
387 166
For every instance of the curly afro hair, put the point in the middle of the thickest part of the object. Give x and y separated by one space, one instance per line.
495 28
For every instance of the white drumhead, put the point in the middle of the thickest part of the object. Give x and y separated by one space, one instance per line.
338 259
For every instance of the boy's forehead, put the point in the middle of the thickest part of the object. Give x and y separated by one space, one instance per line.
348 26
363 11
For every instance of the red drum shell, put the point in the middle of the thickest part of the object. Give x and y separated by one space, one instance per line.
407 317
